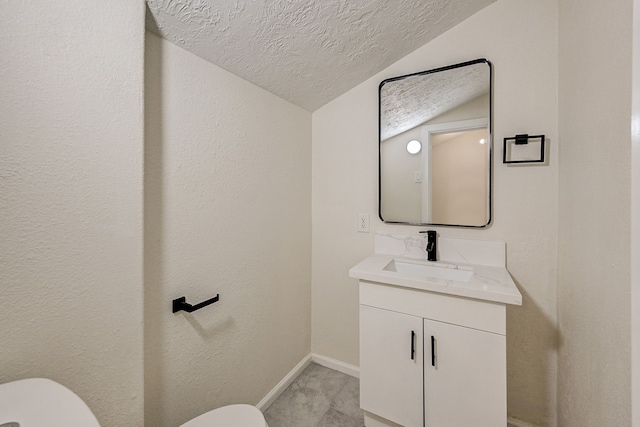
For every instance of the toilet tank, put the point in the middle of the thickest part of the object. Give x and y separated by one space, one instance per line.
37 402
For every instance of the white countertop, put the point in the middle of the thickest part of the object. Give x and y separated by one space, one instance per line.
489 283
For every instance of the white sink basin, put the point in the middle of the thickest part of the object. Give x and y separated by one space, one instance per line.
467 268
431 270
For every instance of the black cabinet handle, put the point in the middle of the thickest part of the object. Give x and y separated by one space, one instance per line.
413 345
433 350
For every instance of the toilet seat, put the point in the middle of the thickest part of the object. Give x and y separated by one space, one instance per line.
39 401
229 416
43 402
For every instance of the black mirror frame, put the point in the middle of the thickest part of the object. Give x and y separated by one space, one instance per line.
490 183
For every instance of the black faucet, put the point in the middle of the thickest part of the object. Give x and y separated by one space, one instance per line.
431 244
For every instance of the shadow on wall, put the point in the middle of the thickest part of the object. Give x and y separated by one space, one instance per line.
529 358
153 237
209 333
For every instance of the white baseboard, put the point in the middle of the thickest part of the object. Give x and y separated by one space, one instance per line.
283 384
512 422
336 365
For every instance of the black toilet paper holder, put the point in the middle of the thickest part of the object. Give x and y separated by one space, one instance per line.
181 304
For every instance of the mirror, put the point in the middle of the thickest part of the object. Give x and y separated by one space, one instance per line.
435 147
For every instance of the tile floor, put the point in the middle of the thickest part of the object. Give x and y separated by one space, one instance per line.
318 397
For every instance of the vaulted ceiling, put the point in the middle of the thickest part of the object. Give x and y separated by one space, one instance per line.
305 51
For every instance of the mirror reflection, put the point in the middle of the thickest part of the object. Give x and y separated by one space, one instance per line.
435 146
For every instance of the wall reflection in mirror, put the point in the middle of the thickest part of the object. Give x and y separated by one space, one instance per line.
435 146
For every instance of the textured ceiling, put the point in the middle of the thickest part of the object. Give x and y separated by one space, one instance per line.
305 51
408 102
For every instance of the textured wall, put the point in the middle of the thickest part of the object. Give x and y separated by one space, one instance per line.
228 211
323 47
595 178
71 139
520 38
635 221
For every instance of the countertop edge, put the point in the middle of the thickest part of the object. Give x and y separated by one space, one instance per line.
512 297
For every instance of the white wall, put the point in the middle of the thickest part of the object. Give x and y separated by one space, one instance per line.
228 211
635 221
520 38
594 240
459 167
401 194
71 140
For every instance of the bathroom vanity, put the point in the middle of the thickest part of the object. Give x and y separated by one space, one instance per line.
433 334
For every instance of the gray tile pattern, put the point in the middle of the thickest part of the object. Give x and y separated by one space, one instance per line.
335 418
319 397
348 400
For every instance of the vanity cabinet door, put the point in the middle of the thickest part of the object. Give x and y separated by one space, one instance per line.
465 376
391 365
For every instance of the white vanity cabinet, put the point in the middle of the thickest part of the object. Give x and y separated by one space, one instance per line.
465 380
431 368
391 365
433 334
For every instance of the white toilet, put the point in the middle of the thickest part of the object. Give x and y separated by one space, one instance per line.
232 415
36 402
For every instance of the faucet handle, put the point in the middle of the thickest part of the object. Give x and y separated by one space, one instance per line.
432 236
